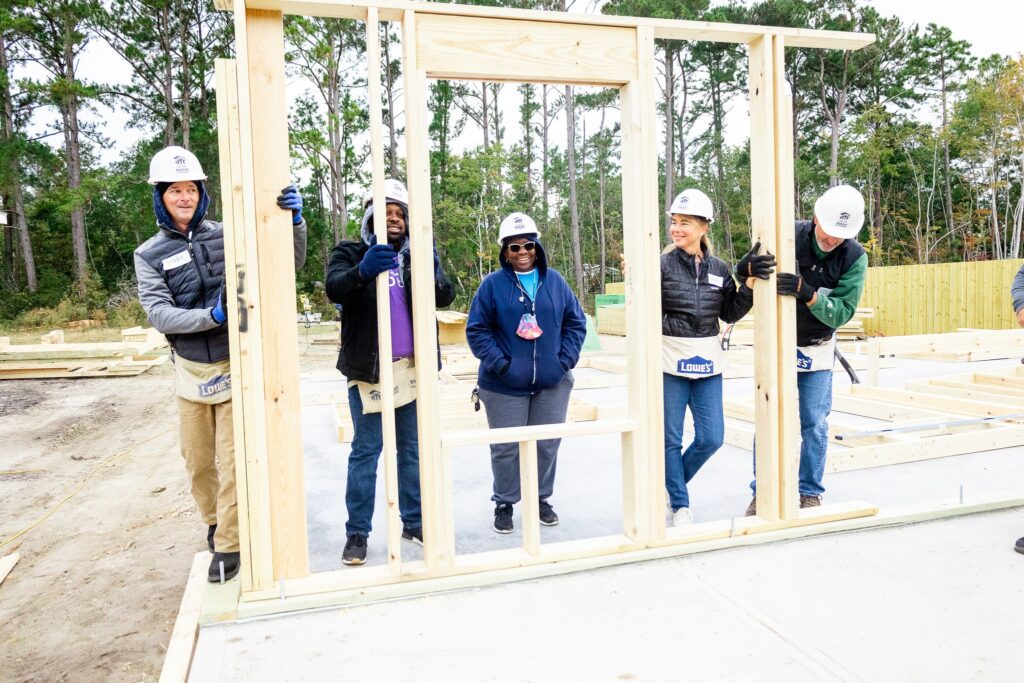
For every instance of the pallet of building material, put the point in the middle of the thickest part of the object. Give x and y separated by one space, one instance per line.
611 319
75 368
135 342
451 327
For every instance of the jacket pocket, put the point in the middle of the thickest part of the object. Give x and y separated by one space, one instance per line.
549 372
520 373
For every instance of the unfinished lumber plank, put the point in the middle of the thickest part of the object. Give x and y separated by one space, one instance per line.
671 29
912 450
382 285
7 564
785 248
262 111
178 660
528 487
566 430
643 461
252 478
435 476
515 50
953 406
767 362
969 391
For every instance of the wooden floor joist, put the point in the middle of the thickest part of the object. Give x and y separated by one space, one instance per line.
948 415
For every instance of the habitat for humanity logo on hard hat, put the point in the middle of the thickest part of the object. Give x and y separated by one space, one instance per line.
697 365
180 164
843 220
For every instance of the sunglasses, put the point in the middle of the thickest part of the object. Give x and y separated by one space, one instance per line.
516 248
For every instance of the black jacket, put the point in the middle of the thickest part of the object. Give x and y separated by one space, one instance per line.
823 274
690 304
358 357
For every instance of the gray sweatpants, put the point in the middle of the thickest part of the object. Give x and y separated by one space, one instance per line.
547 406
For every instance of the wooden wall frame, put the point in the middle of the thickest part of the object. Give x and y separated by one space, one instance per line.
445 41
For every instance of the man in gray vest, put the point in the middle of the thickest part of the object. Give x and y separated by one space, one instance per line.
180 271
828 283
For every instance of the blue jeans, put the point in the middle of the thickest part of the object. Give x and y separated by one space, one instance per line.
367 444
815 392
704 397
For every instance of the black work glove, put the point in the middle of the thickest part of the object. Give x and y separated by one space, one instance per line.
789 284
378 259
753 265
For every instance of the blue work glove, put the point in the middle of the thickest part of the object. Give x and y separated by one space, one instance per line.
291 199
380 258
437 260
219 313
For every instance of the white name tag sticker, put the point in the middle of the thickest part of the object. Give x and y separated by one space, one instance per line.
179 259
715 280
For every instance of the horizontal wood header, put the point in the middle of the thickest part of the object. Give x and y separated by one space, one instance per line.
514 50
669 29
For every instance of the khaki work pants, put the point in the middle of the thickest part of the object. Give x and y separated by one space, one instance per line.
208 446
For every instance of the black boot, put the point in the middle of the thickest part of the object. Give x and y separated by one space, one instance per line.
231 563
209 535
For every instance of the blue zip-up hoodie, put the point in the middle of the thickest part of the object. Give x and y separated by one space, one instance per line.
512 365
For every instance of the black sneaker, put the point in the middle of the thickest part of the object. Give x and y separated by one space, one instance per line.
413 533
503 518
355 550
547 514
1019 547
224 567
209 535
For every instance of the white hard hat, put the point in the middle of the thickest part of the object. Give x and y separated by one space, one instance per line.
693 203
172 164
516 223
394 190
840 212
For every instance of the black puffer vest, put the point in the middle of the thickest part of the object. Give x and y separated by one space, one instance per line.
194 285
819 274
690 304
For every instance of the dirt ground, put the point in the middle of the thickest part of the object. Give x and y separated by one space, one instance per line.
96 592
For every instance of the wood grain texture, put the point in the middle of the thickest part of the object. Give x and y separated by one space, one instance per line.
515 50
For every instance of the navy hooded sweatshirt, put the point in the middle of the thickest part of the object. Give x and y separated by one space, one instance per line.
512 365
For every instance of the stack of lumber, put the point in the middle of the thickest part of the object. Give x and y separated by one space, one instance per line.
55 359
742 333
931 418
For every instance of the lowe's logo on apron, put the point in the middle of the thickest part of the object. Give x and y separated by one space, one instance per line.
215 385
697 365
803 361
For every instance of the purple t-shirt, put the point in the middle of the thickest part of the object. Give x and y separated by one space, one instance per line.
401 319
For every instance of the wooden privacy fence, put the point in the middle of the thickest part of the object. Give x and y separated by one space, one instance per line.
442 40
940 297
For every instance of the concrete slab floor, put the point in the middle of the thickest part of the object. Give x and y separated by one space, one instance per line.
588 486
939 601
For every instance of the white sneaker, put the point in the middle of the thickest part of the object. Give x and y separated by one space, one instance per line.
682 517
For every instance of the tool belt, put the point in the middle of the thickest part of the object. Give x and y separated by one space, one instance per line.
202 382
404 370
